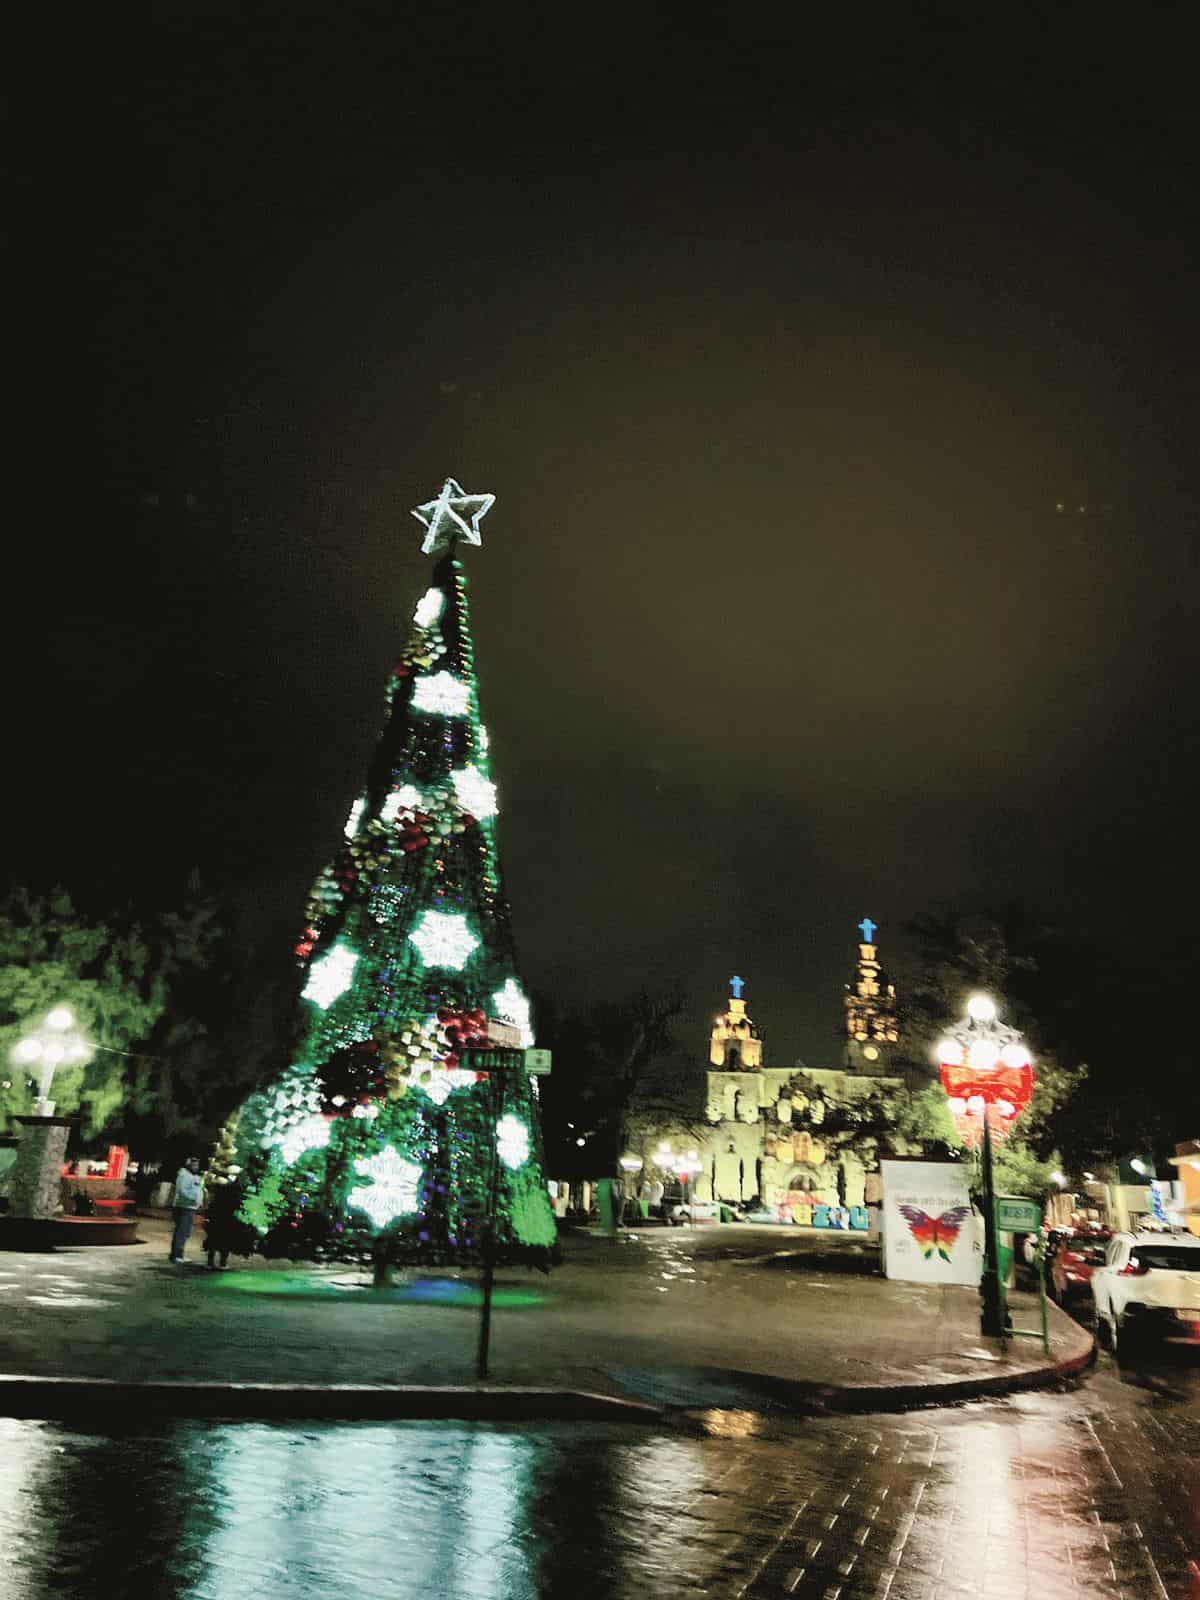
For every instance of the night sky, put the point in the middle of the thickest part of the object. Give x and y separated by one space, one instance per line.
793 363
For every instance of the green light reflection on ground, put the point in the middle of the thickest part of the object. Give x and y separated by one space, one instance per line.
454 1293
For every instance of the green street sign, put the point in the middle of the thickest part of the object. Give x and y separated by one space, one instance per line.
1014 1215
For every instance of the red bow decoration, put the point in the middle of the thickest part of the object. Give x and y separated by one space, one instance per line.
1001 1092
354 1075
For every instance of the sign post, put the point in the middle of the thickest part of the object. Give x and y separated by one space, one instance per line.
500 1060
1014 1214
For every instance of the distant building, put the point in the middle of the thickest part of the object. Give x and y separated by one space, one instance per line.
758 1132
872 1031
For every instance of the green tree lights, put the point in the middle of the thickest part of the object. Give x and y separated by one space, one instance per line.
381 1138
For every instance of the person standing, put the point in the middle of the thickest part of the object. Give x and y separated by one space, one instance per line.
221 1226
187 1200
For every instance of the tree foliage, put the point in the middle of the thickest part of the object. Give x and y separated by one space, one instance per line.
106 972
865 1127
182 1026
1009 957
601 1055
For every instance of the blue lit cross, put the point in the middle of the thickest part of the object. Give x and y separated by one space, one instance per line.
736 986
868 930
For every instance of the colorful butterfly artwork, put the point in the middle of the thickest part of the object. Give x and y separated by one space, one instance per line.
935 1233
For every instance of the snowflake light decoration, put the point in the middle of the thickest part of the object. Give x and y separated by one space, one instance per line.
443 1082
429 608
512 1141
453 515
392 1191
352 821
511 1004
440 694
406 798
444 940
311 1134
474 792
331 976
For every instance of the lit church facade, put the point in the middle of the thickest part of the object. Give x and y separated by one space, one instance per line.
760 1132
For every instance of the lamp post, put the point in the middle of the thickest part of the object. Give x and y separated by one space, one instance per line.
687 1166
987 1072
33 1184
630 1165
56 1041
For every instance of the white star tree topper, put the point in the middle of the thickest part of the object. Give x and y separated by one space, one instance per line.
453 515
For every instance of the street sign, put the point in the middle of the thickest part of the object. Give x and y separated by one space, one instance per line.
1014 1215
503 1035
537 1062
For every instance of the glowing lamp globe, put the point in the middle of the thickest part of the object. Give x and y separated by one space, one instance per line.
60 1019
1015 1055
983 1054
981 1008
950 1051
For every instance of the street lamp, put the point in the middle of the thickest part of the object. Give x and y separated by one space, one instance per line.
687 1166
630 1165
56 1041
987 1073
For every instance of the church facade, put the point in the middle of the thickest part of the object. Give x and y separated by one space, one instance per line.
799 1140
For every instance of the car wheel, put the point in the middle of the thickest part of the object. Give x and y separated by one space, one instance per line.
1123 1341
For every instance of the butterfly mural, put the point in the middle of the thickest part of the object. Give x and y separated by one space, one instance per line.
935 1233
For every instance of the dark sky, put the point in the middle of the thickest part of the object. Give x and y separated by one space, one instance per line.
781 353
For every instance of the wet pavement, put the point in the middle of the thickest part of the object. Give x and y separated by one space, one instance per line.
670 1316
1092 1492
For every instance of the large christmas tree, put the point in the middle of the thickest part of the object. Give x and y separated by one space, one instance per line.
409 1105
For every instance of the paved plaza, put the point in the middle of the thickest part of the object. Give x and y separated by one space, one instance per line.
673 1317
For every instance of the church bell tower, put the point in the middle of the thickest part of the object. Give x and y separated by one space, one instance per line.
871 1026
735 1044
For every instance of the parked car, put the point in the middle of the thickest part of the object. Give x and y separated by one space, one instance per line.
694 1211
1069 1274
1148 1288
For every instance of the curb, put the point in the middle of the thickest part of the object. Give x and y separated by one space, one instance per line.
107 1399
828 1399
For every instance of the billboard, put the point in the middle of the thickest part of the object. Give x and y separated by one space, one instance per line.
930 1232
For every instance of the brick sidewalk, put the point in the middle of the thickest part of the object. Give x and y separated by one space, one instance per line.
663 1318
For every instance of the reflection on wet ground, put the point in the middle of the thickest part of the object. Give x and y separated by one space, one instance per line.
1090 1493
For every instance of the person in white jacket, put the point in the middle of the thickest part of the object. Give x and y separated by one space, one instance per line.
188 1198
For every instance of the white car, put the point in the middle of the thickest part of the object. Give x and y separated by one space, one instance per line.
1148 1288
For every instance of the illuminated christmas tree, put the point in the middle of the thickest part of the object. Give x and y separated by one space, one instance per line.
381 1138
